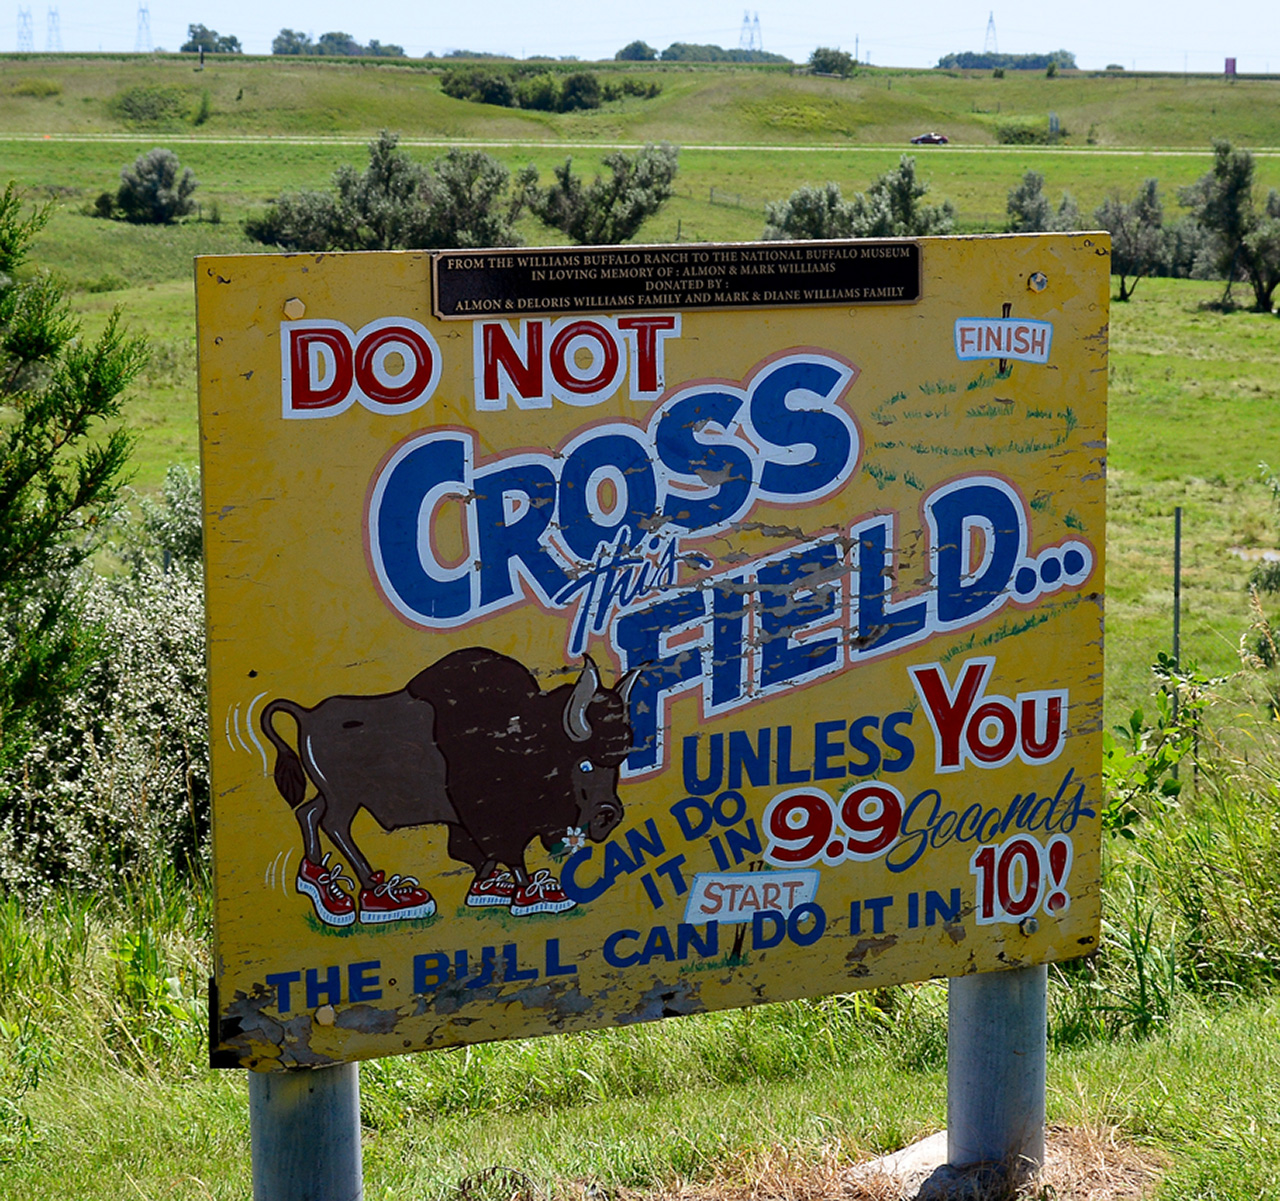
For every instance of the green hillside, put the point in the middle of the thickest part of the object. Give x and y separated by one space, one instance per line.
718 104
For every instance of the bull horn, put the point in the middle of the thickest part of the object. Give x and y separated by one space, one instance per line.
576 724
624 686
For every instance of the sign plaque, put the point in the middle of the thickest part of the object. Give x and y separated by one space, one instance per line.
596 636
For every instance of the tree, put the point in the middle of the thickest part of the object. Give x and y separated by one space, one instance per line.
376 49
1244 240
825 61
199 37
292 41
892 207
609 210
60 468
460 200
156 190
579 90
1137 234
338 44
1031 211
636 52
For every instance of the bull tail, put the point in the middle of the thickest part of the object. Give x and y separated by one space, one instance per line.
290 777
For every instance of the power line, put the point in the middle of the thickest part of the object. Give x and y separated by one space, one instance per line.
26 39
142 45
53 32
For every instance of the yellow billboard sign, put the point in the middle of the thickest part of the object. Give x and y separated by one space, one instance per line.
602 635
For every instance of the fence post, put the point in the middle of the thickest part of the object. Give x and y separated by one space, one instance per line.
304 1129
996 1053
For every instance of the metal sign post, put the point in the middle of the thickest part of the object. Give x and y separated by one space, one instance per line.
305 1132
996 1058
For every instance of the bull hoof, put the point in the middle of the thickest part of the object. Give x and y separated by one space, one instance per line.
542 894
322 884
496 890
395 900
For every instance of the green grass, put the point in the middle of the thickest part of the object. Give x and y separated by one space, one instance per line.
703 103
102 1088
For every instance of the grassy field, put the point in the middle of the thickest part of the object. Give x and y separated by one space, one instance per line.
720 104
102 1086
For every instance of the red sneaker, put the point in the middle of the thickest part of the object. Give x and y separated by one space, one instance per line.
394 900
322 883
542 894
496 890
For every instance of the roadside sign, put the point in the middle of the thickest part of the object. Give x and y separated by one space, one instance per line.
605 634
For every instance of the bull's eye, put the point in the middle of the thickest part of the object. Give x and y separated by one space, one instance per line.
586 765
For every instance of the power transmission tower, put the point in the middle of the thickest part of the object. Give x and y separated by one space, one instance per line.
744 38
757 38
53 33
143 43
989 46
26 39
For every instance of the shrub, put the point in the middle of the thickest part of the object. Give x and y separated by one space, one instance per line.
636 52
826 61
149 104
891 207
540 93
37 87
156 189
105 205
1031 211
479 84
581 90
460 200
609 210
117 779
1027 133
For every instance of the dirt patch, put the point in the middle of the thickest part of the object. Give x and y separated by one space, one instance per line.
1081 1164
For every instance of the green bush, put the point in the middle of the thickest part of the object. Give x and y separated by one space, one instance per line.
1027 133
826 61
37 87
892 207
149 104
479 84
117 780
609 210
540 93
581 90
460 200
156 189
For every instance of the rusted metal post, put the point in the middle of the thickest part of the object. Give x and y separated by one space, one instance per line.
996 1054
304 1129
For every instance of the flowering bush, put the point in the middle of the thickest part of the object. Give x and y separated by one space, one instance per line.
117 781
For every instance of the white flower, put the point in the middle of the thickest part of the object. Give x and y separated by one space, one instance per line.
574 839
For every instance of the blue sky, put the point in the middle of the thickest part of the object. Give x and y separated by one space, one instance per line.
1166 36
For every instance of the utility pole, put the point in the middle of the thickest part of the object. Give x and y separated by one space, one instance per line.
142 44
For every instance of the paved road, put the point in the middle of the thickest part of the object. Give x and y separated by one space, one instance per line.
531 144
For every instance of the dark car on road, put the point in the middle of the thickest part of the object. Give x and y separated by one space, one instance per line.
930 139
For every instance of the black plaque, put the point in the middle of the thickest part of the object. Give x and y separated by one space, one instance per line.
476 283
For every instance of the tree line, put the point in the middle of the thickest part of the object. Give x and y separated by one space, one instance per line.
539 89
1229 231
467 198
